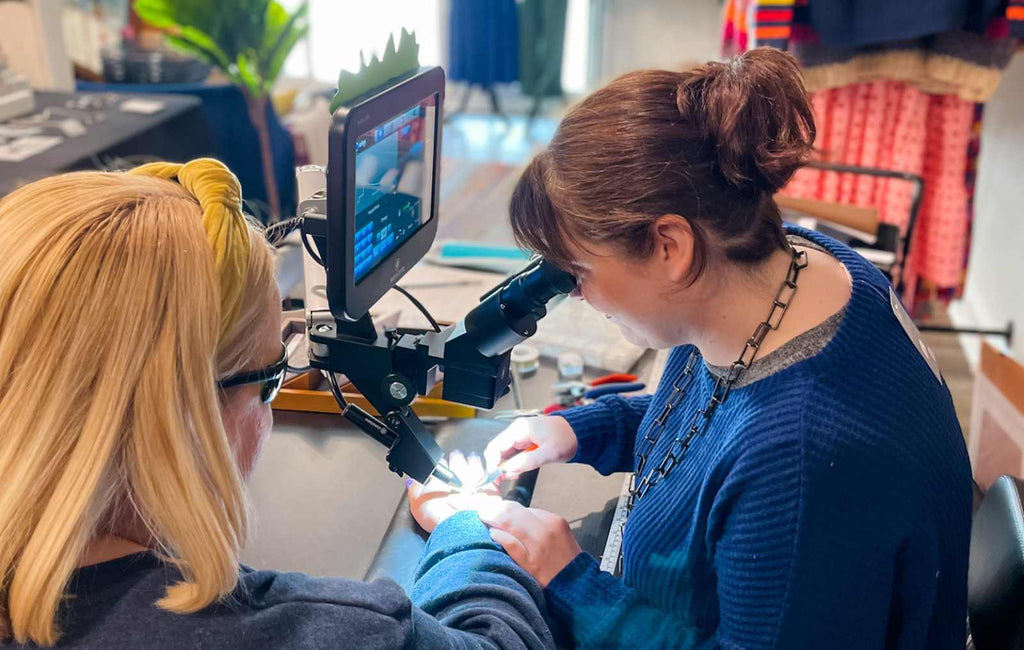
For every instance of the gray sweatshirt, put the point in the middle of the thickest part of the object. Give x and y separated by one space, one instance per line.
468 594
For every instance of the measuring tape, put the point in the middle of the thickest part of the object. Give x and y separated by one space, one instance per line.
613 545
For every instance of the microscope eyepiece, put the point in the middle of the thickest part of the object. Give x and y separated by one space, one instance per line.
535 287
508 314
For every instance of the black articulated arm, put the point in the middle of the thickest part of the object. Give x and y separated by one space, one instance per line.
390 368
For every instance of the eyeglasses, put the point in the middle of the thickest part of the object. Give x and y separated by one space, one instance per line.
270 379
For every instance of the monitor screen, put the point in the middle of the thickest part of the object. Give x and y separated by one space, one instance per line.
393 182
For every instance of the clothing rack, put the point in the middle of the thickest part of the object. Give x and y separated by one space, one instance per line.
917 193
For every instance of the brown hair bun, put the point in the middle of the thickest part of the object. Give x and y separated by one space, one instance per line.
754 114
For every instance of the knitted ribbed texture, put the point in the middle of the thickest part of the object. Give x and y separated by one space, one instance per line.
828 505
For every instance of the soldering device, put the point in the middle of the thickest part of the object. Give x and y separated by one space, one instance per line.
365 221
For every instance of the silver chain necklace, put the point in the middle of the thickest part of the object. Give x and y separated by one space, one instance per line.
702 417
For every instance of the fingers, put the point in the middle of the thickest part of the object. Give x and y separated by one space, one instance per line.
469 469
475 472
413 488
417 490
516 436
523 462
540 542
515 548
488 491
510 517
458 465
475 464
437 490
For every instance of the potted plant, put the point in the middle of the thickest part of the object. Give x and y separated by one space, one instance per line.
248 40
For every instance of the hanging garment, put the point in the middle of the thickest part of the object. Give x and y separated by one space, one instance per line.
762 23
541 43
852 24
860 23
909 105
736 27
484 42
893 125
967 60
1015 14
962 63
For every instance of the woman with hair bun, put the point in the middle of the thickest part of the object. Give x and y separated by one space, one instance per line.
800 478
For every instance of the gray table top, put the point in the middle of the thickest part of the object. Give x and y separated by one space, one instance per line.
116 127
323 497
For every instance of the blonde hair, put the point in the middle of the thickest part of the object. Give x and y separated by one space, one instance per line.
110 344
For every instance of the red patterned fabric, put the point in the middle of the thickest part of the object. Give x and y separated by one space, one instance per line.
892 125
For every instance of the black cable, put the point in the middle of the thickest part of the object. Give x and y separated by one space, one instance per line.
276 233
299 369
260 210
418 305
309 249
336 391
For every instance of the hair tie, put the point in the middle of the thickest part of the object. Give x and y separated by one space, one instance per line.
220 199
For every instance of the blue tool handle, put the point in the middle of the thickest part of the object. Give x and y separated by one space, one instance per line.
611 389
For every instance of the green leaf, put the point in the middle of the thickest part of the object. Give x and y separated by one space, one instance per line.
290 32
245 25
197 50
275 64
158 13
273 25
247 39
250 75
279 26
201 40
189 48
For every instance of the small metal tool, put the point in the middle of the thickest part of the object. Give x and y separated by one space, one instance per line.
500 469
445 475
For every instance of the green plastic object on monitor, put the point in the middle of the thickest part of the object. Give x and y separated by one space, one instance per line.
395 63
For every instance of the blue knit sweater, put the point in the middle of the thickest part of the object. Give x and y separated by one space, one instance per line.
827 506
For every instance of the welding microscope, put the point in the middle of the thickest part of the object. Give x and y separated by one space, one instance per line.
365 221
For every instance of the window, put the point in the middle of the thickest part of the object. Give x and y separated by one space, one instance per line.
340 29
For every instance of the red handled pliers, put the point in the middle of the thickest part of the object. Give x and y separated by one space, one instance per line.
576 392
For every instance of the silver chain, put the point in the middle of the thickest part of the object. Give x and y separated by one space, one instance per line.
719 393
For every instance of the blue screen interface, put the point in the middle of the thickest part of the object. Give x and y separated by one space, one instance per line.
394 185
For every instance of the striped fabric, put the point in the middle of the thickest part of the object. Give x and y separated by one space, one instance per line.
775 20
1015 14
827 506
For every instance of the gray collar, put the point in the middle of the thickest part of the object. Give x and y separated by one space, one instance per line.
801 347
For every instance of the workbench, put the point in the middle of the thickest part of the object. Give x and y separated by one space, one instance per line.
176 132
323 497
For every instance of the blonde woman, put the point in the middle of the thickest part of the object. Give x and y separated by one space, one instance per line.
139 348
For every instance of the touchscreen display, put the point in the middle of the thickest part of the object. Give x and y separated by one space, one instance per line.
393 183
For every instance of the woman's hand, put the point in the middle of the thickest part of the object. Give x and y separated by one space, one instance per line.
436 501
538 541
552 436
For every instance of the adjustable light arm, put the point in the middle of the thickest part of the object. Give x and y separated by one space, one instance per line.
391 368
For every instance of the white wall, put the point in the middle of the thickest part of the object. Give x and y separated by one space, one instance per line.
658 34
994 293
341 29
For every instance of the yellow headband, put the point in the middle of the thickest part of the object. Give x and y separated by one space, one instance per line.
220 198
